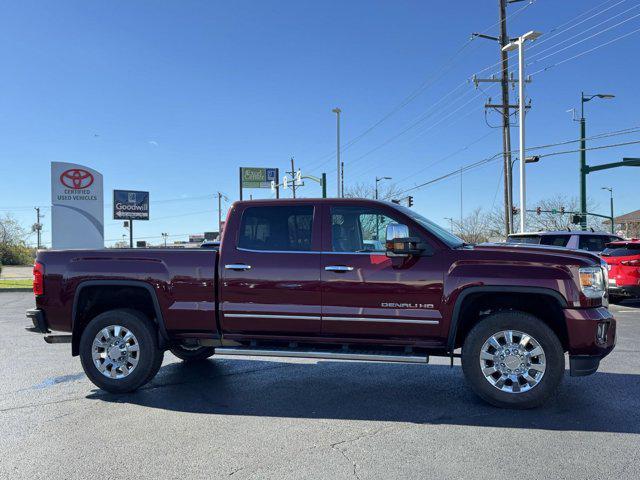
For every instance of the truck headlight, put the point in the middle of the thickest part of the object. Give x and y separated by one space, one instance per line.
592 282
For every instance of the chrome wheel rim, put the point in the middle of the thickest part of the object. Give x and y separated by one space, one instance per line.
512 361
115 351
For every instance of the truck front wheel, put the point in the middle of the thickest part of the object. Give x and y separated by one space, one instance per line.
119 350
512 359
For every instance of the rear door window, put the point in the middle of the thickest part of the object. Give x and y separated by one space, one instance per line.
530 239
555 240
277 228
592 243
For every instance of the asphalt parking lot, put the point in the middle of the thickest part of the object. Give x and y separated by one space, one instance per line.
306 419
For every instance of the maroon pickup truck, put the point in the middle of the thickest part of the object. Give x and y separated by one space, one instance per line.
346 279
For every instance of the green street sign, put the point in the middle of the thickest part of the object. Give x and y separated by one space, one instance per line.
251 177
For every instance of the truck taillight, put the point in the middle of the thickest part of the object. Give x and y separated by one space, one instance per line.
38 278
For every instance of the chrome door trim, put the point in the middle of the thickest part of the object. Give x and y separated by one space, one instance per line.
260 315
313 252
237 266
338 268
381 320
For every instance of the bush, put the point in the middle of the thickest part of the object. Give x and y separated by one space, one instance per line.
16 254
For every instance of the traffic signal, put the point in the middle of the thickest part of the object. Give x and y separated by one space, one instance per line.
561 210
515 210
410 200
575 218
538 210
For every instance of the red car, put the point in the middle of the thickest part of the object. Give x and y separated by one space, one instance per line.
623 260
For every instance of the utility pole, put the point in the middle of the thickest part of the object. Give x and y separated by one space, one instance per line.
339 170
219 211
518 44
460 195
506 126
342 179
610 189
584 169
38 226
505 110
293 177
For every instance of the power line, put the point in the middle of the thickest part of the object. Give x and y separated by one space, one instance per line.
582 33
549 67
487 160
427 83
584 39
546 39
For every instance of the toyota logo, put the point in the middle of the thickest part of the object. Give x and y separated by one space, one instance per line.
76 178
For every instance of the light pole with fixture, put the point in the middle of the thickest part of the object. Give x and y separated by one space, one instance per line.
337 111
611 201
518 43
583 155
379 179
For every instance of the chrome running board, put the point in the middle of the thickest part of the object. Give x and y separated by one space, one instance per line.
365 356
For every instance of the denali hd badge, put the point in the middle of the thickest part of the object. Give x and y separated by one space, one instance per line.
406 305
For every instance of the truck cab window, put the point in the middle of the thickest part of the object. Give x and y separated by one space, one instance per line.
279 228
355 229
592 243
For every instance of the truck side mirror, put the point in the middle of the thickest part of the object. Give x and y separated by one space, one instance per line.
399 243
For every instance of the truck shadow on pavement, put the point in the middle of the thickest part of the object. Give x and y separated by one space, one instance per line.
604 402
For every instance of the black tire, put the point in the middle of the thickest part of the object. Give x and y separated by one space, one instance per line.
149 356
192 354
615 300
532 326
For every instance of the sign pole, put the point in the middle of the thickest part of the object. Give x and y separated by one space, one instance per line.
277 183
130 233
324 185
240 183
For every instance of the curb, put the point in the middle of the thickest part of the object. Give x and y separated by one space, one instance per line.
21 289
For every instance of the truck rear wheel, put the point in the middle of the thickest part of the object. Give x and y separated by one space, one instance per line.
119 350
192 354
512 359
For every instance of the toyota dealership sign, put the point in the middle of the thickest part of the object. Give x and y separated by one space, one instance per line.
77 206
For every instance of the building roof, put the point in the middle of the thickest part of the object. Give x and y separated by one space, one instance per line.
629 217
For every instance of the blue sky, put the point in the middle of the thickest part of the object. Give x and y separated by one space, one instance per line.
172 97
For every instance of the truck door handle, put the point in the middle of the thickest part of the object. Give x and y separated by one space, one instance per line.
338 268
237 266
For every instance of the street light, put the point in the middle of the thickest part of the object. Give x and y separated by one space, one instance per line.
583 155
518 43
379 179
532 159
611 200
337 111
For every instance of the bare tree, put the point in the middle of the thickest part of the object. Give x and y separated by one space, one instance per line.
474 228
386 191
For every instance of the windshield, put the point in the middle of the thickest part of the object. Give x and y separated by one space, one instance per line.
447 237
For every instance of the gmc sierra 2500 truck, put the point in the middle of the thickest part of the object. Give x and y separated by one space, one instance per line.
347 279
